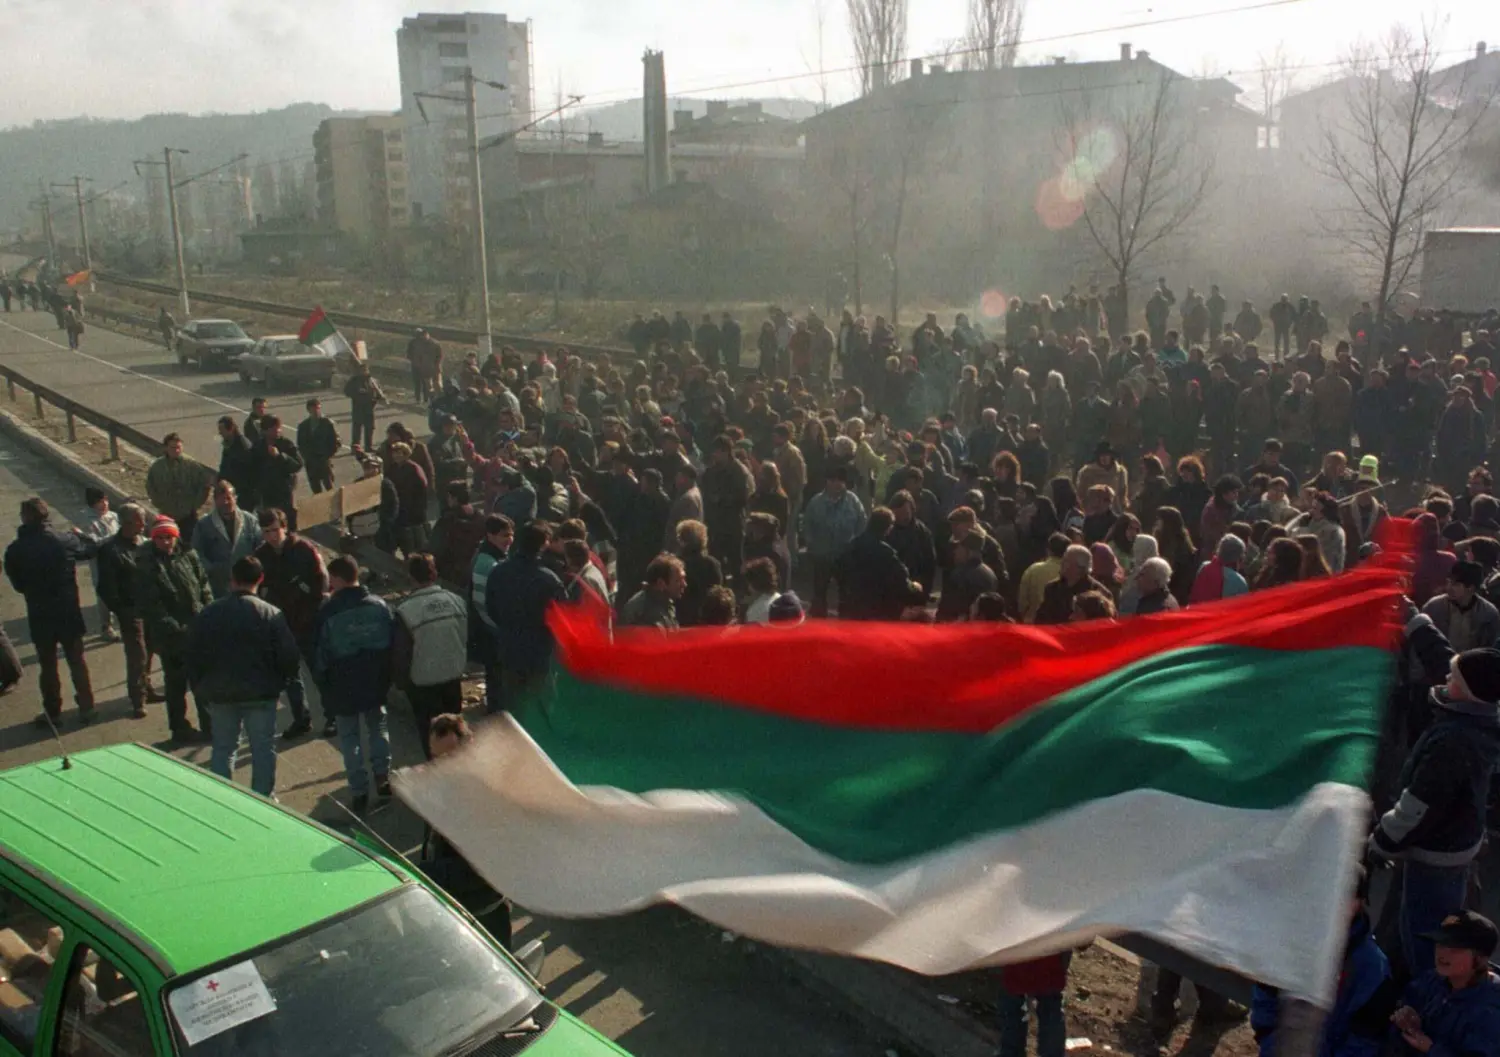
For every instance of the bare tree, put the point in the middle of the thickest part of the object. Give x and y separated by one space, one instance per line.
819 67
1394 147
1277 74
1137 171
993 34
878 30
849 181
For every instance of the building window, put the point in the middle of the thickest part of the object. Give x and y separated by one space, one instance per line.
449 25
453 51
395 155
393 137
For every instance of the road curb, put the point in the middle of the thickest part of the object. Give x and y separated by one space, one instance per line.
70 464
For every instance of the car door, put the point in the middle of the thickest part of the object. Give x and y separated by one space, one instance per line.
69 990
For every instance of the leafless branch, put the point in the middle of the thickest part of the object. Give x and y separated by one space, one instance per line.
993 34
878 29
1136 162
1395 148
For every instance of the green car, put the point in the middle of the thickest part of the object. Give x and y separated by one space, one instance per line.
150 908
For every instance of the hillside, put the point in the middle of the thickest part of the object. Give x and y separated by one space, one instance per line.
622 121
55 150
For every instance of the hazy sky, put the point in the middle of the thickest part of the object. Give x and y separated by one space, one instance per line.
125 58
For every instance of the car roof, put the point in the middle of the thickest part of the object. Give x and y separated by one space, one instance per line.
196 868
229 321
281 337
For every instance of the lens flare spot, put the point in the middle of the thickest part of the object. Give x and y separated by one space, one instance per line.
1055 209
992 303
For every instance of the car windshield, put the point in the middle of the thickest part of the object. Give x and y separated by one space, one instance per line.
220 331
401 977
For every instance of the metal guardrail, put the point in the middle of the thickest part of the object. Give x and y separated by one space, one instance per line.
519 342
330 507
113 428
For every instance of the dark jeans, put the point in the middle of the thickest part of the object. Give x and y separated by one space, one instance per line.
174 676
185 524
822 576
296 687
1283 345
363 426
320 477
1211 1004
1051 1030
421 384
137 658
428 702
78 670
494 694
1428 895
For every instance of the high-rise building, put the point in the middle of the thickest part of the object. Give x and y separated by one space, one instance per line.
433 52
361 174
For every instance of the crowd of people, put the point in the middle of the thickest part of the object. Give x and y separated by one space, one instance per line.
1068 471
65 303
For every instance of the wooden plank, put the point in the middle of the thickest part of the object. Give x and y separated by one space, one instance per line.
320 509
363 494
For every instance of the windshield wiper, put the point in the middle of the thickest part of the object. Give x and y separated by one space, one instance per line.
525 1024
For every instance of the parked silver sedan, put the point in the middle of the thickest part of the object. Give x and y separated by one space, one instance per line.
283 362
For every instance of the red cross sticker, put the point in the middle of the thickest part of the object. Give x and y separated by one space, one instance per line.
213 985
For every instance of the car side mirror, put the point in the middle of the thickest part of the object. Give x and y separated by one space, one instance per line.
532 956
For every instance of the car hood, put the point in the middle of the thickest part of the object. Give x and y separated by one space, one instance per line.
228 343
303 359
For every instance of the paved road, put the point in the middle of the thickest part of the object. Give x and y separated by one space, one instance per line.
141 384
663 984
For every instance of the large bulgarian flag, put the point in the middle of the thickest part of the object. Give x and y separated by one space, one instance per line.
950 797
319 332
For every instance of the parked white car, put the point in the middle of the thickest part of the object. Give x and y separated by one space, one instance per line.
283 362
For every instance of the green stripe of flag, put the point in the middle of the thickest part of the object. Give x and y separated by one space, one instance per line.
1232 726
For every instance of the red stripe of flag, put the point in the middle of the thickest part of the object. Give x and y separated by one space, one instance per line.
318 316
964 677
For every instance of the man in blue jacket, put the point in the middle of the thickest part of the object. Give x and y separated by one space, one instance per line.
1454 1009
517 596
1357 1024
1438 823
352 664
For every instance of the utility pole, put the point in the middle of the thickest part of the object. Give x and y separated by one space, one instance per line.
476 195
76 184
476 200
83 230
47 224
182 293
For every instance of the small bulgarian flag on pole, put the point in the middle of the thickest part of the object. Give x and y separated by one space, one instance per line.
955 796
319 332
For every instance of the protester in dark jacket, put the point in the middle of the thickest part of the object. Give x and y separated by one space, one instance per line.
1073 579
456 536
236 462
874 583
1438 823
967 579
519 592
318 442
351 662
115 585
912 541
295 583
1453 1010
240 654
42 565
274 467
172 588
